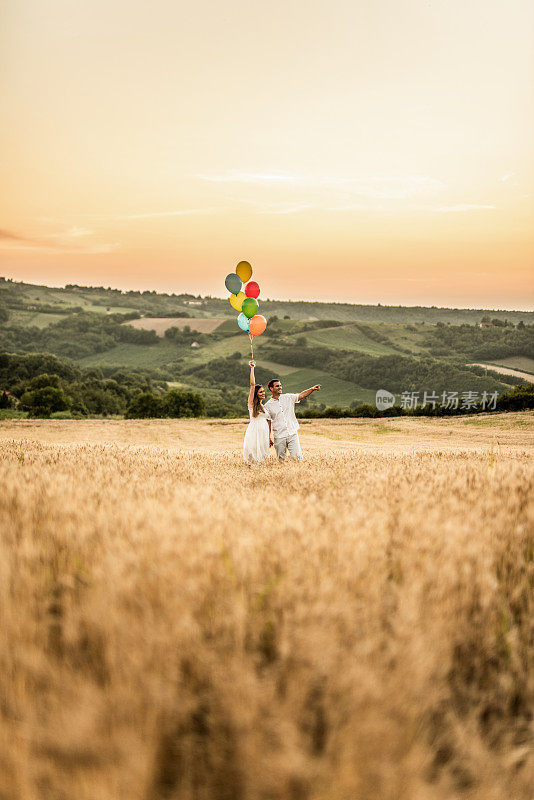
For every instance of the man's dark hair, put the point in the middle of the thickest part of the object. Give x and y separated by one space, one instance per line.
272 382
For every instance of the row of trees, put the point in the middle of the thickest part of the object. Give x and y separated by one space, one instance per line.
520 398
85 333
161 304
77 336
42 384
494 342
397 373
174 403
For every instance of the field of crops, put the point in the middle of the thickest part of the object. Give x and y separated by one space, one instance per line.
349 337
357 626
161 324
334 389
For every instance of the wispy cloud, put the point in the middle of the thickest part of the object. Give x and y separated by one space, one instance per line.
464 207
59 241
251 177
9 236
285 208
374 187
507 177
295 208
71 233
182 212
302 193
394 187
94 249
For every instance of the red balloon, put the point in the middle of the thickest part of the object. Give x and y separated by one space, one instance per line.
257 325
252 289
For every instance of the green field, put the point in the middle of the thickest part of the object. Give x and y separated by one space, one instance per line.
136 356
334 391
34 318
349 337
218 349
522 363
278 370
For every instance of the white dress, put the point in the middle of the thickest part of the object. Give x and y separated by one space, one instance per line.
256 444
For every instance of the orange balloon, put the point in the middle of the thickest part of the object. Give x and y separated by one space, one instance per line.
258 323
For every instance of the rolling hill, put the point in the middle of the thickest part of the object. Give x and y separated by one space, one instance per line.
305 343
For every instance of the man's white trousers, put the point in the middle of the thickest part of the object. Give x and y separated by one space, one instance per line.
289 444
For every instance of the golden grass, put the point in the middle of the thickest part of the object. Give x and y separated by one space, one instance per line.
161 324
354 627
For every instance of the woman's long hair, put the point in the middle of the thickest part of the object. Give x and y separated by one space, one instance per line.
256 402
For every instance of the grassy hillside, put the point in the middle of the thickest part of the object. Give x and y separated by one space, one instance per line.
518 362
351 350
150 303
334 392
134 356
351 337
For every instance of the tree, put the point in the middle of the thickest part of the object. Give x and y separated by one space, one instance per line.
41 381
43 401
143 406
179 403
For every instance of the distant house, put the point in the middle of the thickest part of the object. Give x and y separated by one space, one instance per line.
195 344
485 324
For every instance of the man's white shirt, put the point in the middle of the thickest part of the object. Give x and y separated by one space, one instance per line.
282 411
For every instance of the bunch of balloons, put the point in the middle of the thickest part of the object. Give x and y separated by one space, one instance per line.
245 301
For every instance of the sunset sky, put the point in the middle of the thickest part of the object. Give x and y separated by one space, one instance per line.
360 150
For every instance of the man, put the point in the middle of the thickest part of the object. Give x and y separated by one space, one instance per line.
284 424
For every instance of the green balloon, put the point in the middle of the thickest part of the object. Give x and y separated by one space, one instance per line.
249 307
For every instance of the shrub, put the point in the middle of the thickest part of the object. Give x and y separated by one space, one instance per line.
42 401
143 406
174 403
180 403
520 399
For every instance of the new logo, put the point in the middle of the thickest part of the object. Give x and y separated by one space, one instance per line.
384 399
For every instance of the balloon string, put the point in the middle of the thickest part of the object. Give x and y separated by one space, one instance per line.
251 347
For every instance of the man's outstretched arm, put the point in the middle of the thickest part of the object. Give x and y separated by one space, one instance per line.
307 392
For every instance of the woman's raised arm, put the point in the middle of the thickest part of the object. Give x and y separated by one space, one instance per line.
251 364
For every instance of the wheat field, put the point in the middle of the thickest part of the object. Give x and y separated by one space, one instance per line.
177 626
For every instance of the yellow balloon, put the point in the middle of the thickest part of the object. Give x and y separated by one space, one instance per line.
236 300
244 270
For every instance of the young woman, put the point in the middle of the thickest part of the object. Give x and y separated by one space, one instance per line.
258 433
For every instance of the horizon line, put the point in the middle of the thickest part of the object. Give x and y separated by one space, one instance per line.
276 300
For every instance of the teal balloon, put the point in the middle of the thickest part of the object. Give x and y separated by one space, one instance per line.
243 322
233 283
249 307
